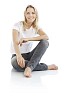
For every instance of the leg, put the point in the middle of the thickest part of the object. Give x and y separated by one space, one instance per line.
41 67
35 56
15 64
37 53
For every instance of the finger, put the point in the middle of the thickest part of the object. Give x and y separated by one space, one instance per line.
19 63
23 62
24 40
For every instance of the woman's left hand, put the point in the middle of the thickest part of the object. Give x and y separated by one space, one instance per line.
23 40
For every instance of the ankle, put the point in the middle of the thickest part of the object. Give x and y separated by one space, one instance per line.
28 68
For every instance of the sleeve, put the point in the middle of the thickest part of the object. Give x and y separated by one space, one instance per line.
16 26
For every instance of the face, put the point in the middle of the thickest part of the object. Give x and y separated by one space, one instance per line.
30 15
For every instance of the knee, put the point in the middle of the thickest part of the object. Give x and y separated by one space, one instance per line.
45 43
15 64
14 61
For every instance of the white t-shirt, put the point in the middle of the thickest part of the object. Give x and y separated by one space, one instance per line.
28 33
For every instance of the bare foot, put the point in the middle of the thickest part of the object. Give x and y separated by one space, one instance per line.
52 67
27 72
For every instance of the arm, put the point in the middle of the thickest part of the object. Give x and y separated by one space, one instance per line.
38 38
42 36
20 59
16 42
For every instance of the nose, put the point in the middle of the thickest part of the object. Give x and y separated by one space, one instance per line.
30 14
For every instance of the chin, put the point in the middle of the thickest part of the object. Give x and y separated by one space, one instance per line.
30 21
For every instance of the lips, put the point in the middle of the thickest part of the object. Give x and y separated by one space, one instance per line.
30 18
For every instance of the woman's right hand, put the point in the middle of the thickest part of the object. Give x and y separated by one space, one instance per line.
20 61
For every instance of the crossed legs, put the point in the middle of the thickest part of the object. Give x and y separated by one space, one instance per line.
32 60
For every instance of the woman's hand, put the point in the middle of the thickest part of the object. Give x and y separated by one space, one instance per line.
20 61
23 40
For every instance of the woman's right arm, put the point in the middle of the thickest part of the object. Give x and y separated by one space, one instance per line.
16 42
20 59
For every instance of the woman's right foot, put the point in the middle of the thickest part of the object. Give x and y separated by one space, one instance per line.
27 72
52 67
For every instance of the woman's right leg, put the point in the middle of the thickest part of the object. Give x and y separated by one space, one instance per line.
16 66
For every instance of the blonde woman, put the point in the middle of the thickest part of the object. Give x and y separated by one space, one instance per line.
24 33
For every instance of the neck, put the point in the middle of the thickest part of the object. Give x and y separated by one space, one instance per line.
28 24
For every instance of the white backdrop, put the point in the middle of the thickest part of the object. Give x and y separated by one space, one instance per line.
53 20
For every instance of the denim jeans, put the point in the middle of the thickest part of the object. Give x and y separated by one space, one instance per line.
32 58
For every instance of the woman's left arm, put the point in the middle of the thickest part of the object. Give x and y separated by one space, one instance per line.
42 34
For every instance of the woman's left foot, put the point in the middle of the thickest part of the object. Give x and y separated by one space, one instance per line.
52 67
27 72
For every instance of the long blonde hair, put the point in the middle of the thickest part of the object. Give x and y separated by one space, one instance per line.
34 24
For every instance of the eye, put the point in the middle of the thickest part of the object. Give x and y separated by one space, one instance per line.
28 12
33 12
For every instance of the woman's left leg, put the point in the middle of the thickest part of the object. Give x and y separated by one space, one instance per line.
35 57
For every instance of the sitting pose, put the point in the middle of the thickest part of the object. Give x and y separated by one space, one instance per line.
24 34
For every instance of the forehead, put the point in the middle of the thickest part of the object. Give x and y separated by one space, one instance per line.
30 9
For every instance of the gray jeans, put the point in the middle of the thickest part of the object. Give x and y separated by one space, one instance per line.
32 58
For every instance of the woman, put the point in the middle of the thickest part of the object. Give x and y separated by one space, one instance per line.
24 33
